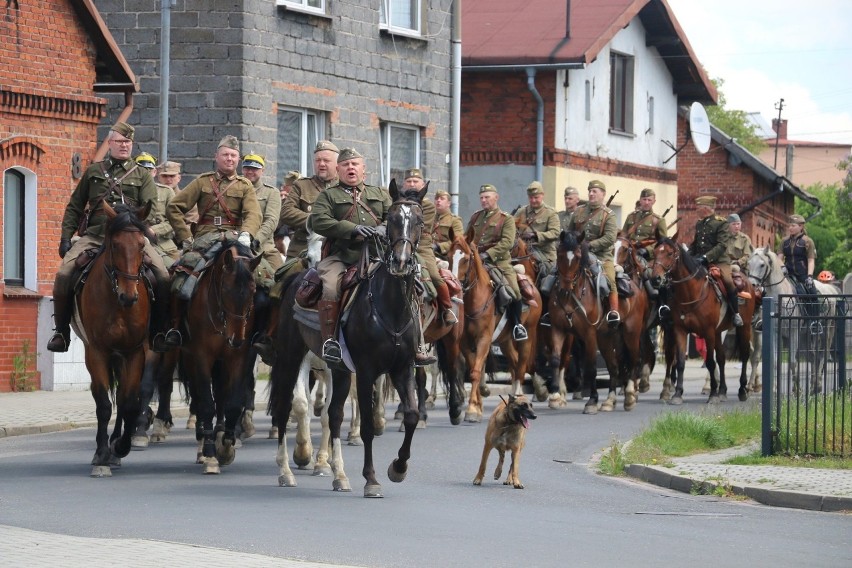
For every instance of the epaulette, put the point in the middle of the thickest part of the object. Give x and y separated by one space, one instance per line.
207 174
269 186
720 218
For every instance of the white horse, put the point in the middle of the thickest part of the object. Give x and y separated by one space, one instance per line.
811 339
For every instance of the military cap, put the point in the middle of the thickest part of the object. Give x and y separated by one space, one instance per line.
326 145
170 168
707 200
146 160
253 161
348 154
798 219
485 188
571 190
441 193
647 192
291 177
412 173
229 141
734 218
534 188
598 184
124 129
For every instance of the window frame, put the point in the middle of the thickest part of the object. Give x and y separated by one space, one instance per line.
386 25
302 6
307 141
621 94
26 228
386 156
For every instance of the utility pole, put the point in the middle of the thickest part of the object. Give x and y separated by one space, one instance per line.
165 72
780 106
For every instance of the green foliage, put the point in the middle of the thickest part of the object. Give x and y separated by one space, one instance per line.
612 461
22 363
831 229
818 425
734 123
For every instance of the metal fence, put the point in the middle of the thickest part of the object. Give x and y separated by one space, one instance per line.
807 363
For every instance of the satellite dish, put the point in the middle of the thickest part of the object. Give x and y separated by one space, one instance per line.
699 128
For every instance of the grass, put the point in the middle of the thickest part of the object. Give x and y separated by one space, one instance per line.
816 462
817 425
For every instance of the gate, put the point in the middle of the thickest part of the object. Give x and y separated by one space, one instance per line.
807 349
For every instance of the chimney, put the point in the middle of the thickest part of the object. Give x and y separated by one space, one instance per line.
781 129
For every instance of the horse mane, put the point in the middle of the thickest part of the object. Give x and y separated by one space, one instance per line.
569 241
127 217
242 272
689 261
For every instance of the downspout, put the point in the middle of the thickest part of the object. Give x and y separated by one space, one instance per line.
455 113
125 114
773 195
539 126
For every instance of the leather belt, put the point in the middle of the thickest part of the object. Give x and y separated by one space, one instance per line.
217 221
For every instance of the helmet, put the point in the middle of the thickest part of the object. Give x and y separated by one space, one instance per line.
825 276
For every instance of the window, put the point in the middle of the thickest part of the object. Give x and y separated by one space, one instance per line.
400 150
299 130
621 93
400 16
317 6
13 228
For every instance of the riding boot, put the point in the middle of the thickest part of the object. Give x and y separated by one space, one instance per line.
263 340
445 302
613 318
519 332
62 311
328 313
422 357
664 311
163 338
734 304
164 342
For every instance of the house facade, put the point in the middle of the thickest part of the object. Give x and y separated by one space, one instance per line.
50 109
803 161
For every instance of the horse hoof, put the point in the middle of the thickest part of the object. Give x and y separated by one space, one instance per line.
629 403
539 388
114 461
322 471
743 395
139 442
342 485
287 480
421 424
373 491
644 386
577 395
590 408
398 415
607 406
273 433
484 390
394 475
430 403
723 397
713 400
665 395
378 430
455 420
190 422
676 400
355 441
556 401
101 471
211 466
472 417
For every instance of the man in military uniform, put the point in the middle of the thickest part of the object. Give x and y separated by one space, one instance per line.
494 234
597 222
165 245
444 222
117 179
345 214
643 227
712 237
297 206
740 248
542 229
798 253
572 200
228 208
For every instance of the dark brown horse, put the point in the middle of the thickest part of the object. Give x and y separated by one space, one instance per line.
213 356
697 308
113 310
480 322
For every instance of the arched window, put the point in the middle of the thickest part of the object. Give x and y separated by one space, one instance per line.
14 237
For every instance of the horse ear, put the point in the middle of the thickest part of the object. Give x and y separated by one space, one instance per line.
253 264
393 189
468 236
143 212
581 236
110 212
674 237
422 193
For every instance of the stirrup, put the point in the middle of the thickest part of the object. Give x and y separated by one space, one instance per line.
758 325
519 333
613 317
545 320
449 317
423 359
263 345
331 352
165 342
664 312
54 345
738 320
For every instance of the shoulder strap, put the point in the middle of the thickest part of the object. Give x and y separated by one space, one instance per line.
218 195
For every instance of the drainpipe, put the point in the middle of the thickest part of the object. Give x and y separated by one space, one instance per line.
455 114
165 41
539 126
125 114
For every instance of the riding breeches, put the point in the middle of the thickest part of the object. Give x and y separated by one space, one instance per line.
330 270
609 272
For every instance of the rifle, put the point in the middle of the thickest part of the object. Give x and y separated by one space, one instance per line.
673 223
666 212
611 197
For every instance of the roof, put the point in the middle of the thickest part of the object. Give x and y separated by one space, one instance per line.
112 72
573 33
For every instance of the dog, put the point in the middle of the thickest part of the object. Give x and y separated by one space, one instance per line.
507 430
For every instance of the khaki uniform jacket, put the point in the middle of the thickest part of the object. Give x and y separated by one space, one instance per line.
424 246
158 221
565 218
496 240
739 249
545 222
269 201
137 187
712 236
296 208
441 231
600 230
238 194
333 217
644 225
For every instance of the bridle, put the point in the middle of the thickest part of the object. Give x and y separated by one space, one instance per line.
769 268
468 284
407 212
668 269
221 311
114 273
571 292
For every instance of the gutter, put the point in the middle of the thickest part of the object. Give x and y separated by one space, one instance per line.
539 124
517 67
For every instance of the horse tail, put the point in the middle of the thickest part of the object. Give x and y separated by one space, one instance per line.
444 365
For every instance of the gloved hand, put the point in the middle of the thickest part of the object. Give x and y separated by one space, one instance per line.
436 247
809 281
382 231
643 252
529 235
484 257
186 245
64 247
703 260
255 245
364 231
244 239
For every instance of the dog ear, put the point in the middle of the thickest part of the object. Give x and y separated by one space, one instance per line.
512 398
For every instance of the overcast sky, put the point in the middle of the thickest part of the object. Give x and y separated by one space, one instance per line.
766 50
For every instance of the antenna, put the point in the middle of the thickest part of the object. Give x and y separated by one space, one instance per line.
699 131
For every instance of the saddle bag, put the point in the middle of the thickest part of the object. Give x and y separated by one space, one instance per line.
310 290
453 283
527 290
622 284
85 258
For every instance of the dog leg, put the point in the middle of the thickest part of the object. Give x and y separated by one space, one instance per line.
498 471
481 473
514 469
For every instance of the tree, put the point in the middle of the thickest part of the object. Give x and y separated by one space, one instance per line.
830 230
734 123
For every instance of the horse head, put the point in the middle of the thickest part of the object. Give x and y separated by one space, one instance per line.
233 290
763 268
313 252
124 244
404 227
673 263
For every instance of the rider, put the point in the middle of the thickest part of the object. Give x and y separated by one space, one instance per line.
740 247
712 236
165 245
542 230
598 222
643 227
572 199
444 221
228 207
494 235
117 179
798 254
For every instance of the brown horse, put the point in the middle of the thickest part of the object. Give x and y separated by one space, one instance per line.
576 314
113 309
696 308
480 322
217 319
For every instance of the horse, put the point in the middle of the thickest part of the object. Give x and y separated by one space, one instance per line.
379 336
765 273
696 308
215 349
576 314
112 316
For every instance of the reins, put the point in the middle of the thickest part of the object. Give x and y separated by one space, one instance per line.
114 273
218 301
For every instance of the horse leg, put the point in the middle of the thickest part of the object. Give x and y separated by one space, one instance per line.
420 385
304 450
318 380
139 440
380 395
475 364
556 398
715 361
754 360
403 381
127 400
164 373
230 400
612 367
339 390
103 410
321 466
679 358
355 425
590 376
202 395
372 488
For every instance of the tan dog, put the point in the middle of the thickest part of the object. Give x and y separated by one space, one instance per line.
507 430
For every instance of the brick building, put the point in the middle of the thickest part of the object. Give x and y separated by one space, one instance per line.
50 108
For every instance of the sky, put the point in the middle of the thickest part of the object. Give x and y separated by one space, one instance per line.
765 50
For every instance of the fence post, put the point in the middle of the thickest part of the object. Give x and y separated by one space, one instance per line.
840 313
769 378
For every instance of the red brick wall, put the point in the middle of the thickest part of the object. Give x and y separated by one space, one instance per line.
48 112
